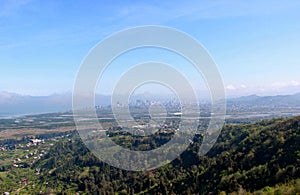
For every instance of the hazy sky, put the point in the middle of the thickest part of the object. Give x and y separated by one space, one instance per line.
256 44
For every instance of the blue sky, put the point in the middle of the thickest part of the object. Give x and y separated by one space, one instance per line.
255 44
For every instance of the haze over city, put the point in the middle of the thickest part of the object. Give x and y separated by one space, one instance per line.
150 97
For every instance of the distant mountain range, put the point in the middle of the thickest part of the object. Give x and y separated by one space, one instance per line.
270 101
16 104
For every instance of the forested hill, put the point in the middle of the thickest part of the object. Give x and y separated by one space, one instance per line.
263 156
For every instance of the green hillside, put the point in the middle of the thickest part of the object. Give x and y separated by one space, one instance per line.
261 158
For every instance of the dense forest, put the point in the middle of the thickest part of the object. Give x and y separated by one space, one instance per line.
246 158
